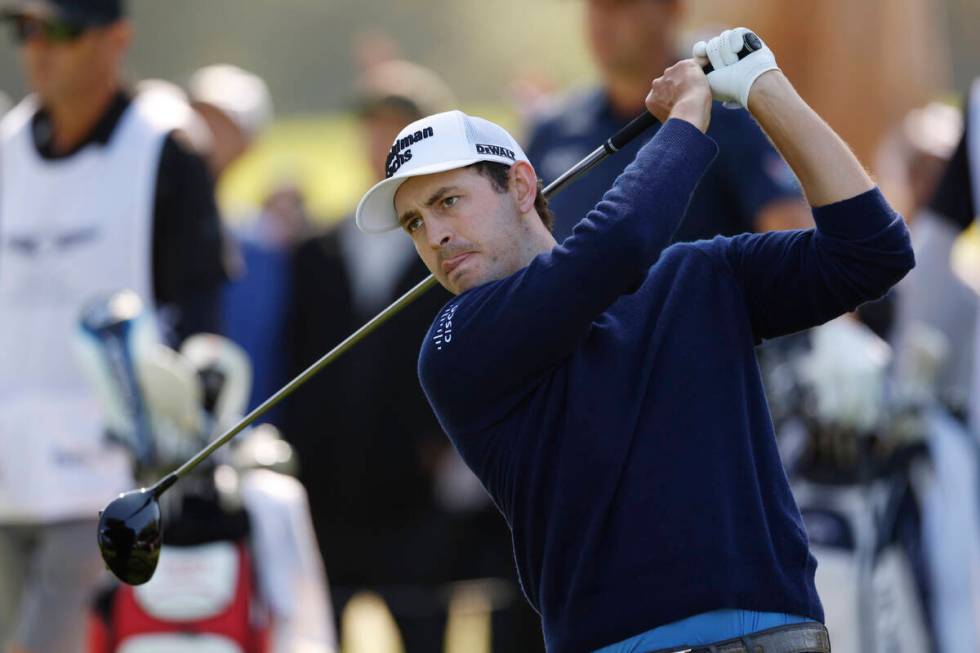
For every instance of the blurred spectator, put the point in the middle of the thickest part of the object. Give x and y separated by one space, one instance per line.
749 187
909 163
237 108
371 446
169 103
106 196
364 420
943 205
913 156
372 47
533 92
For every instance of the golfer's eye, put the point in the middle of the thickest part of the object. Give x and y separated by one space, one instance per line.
413 225
450 201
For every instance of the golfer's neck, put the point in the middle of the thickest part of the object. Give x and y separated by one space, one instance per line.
73 118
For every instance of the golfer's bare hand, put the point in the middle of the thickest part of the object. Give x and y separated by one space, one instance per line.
681 92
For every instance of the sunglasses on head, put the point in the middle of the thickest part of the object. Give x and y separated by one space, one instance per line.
52 30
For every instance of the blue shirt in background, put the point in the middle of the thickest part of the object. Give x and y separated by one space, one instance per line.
254 307
608 398
747 174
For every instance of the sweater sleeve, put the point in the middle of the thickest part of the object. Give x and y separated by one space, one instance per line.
495 338
794 280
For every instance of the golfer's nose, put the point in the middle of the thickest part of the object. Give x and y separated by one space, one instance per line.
439 233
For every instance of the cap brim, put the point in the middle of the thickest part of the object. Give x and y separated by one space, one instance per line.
376 211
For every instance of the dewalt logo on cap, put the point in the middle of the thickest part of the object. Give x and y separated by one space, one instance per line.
496 150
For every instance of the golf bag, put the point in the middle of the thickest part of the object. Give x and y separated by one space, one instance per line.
199 601
239 571
866 537
859 481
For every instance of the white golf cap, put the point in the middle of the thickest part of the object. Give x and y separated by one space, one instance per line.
243 96
444 141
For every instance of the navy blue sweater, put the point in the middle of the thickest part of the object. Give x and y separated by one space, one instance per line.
608 398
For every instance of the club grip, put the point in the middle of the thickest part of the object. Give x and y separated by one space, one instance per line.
638 125
750 43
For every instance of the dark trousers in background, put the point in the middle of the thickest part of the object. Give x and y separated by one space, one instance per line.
414 568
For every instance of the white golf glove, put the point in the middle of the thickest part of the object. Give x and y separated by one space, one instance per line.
732 78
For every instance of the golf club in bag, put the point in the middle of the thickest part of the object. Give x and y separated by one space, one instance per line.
130 532
113 334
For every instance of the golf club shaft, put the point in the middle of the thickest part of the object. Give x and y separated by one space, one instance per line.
302 378
612 145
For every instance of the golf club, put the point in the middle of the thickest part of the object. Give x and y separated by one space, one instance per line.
130 532
110 329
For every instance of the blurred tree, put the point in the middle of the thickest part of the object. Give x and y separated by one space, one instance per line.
851 59
305 49
861 65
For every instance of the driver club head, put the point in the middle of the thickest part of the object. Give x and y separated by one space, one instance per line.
130 536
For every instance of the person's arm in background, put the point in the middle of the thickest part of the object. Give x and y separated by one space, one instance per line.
953 198
306 340
934 299
934 293
188 256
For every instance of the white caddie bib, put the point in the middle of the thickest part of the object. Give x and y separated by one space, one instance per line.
70 230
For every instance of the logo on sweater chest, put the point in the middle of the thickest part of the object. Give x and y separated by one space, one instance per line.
444 328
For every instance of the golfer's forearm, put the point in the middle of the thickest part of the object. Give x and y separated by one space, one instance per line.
827 169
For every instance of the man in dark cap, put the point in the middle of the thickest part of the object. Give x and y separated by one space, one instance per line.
98 193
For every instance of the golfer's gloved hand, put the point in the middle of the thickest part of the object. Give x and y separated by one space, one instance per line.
732 79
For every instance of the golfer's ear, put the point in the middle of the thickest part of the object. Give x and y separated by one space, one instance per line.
524 183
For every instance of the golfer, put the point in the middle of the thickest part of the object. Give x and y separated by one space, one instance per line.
605 389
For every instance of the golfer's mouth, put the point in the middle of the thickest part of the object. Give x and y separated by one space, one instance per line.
451 264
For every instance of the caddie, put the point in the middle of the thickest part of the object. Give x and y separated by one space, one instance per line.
99 191
605 389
